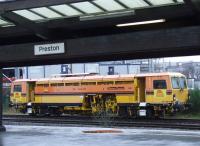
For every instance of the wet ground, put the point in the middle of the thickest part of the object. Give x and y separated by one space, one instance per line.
74 136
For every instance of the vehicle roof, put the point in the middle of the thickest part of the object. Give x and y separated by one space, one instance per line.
99 77
25 80
160 74
88 78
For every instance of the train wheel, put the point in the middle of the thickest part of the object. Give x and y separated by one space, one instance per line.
162 114
150 113
54 111
132 113
122 111
42 111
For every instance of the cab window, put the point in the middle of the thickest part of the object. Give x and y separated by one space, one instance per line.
17 88
182 82
159 84
175 82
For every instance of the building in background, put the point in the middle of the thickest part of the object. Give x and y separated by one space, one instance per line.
190 69
102 68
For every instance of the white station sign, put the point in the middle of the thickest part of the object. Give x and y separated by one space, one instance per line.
46 49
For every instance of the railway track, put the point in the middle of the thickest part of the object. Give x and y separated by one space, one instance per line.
99 121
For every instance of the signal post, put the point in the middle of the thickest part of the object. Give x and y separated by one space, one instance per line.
2 128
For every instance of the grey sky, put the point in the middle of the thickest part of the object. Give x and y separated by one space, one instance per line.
183 59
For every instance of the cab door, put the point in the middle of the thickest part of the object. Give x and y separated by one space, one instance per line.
141 86
17 93
157 87
183 90
31 87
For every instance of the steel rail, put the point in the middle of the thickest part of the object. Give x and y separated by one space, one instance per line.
193 124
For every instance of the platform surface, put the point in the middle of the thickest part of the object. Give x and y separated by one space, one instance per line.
68 136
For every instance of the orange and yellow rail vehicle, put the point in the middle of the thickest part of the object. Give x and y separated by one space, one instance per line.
153 94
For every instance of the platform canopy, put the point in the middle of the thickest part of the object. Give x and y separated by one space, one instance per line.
37 20
39 11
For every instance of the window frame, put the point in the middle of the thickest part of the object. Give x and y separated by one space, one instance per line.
184 82
16 87
173 84
161 81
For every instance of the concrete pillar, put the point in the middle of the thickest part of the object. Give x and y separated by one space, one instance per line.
27 72
2 128
44 71
84 67
17 73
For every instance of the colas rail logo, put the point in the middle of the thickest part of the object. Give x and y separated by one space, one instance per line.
159 93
